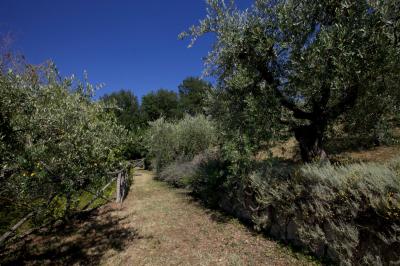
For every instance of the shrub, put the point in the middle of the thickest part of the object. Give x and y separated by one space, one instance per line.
179 141
350 214
162 142
395 165
178 174
204 175
209 176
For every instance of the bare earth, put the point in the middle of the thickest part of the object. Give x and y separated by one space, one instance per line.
156 225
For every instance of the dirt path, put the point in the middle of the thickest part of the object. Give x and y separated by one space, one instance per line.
175 230
156 225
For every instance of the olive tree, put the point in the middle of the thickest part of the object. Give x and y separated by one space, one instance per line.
302 63
55 142
181 141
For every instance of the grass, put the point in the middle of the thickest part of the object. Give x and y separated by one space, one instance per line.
10 214
177 230
289 150
156 225
86 197
376 154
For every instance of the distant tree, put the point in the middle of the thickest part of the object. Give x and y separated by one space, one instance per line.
193 94
162 103
126 108
301 64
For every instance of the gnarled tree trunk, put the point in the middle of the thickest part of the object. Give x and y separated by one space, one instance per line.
310 138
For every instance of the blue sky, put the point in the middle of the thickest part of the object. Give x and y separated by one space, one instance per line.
124 44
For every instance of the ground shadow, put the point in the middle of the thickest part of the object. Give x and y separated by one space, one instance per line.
339 145
219 216
82 241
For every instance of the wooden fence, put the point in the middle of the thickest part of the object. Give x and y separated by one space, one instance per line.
123 179
122 187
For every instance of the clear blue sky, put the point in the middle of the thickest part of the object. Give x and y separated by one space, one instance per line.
124 44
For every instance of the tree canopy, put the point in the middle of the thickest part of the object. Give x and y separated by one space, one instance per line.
162 103
301 65
55 142
193 93
125 105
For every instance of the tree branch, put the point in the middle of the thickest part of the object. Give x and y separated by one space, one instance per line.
347 101
285 101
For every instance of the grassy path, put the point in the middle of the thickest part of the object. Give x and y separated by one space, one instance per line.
156 225
175 230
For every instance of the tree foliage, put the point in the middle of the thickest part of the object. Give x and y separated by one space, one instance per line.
179 141
55 142
303 64
125 106
193 93
162 103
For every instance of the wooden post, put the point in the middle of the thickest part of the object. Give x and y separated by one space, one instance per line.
118 198
123 186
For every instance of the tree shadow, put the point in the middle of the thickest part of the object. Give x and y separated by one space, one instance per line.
219 216
339 145
85 240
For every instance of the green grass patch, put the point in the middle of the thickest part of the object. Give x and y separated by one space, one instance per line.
10 213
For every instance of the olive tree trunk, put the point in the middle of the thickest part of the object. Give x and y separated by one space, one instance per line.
310 138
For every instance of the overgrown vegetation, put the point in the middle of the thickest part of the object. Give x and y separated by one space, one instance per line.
56 144
349 214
